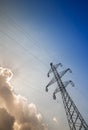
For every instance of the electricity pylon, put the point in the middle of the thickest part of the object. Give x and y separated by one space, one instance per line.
74 117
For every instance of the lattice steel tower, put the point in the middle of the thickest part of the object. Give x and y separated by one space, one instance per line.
74 117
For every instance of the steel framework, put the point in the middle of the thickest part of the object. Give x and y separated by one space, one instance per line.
74 117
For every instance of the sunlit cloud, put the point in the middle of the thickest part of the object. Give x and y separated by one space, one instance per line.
15 108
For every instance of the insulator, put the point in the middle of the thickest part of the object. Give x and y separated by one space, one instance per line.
62 73
46 89
54 96
66 83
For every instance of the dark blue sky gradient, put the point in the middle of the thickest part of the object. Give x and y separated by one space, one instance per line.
67 17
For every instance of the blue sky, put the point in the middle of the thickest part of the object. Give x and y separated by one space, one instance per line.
39 32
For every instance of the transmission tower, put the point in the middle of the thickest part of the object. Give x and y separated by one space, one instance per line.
74 117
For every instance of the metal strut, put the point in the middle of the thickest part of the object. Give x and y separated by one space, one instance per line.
74 117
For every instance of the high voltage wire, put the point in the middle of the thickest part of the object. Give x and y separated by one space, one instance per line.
27 51
23 48
27 35
31 54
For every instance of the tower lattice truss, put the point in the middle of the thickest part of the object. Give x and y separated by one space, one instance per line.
74 117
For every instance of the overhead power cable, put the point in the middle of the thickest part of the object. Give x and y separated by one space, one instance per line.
27 35
26 50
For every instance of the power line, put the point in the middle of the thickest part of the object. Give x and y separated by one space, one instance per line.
27 35
27 51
